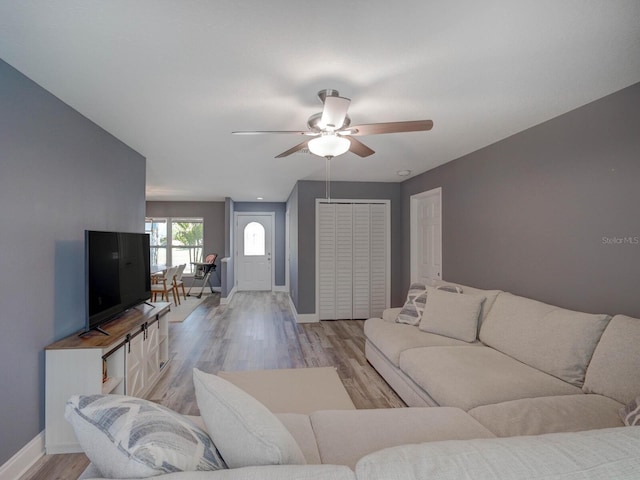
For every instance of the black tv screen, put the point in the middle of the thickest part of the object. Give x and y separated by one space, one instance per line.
118 275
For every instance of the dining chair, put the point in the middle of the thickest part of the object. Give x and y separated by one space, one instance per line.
179 283
166 285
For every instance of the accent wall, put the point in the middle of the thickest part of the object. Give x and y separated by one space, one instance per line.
550 213
302 231
59 175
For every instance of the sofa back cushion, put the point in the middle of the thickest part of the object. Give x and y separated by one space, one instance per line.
557 341
614 370
453 315
490 296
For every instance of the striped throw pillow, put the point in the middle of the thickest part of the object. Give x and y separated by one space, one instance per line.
411 312
631 413
128 437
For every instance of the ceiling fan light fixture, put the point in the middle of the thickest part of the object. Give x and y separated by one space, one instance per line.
329 145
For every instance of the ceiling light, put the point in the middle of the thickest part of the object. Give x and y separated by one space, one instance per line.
260 198
329 145
404 173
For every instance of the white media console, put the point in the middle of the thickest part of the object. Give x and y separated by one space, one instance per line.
128 361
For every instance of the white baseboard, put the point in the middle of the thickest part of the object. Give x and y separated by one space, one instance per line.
302 317
307 318
227 299
280 288
22 461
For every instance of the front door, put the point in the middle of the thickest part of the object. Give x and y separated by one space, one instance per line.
426 238
253 251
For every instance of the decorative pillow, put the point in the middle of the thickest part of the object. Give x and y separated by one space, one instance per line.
449 288
631 413
452 315
243 429
128 437
411 313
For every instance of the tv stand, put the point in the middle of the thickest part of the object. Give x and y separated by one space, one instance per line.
126 357
104 332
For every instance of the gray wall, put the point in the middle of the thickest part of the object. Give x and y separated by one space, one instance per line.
279 208
292 208
532 214
227 273
305 260
59 175
213 215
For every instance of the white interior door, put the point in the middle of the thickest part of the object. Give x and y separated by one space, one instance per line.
254 251
426 237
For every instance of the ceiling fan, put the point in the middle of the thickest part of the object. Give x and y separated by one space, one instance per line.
333 133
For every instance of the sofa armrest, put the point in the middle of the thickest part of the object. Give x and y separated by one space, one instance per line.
390 314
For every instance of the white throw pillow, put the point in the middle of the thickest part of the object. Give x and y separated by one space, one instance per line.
411 312
128 437
247 432
453 315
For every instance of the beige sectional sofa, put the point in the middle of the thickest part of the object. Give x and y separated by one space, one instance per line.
533 368
550 379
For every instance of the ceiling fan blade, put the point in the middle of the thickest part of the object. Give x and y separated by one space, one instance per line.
264 132
390 127
359 148
334 112
295 149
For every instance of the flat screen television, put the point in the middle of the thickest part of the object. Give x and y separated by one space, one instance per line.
118 275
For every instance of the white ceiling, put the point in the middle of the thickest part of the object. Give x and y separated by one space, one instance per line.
173 78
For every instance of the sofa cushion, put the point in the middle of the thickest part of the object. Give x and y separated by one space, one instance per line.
490 296
390 314
614 370
299 426
411 312
557 341
453 315
467 377
561 413
596 454
128 437
630 414
272 472
394 338
346 436
245 431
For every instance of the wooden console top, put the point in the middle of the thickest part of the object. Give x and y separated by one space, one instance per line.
117 328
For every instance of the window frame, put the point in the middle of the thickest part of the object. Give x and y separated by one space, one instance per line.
170 243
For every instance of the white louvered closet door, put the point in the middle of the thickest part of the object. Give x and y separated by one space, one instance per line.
361 261
343 260
379 234
352 260
326 261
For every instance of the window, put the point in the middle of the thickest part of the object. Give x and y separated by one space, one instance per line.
254 239
157 229
175 241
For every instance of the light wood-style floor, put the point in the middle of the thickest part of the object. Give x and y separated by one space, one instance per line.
255 331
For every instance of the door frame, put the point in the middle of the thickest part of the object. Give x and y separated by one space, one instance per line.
413 229
236 241
319 201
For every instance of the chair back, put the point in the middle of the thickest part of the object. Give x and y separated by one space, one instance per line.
170 273
180 271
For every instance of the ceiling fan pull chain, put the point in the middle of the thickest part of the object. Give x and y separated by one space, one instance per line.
328 179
